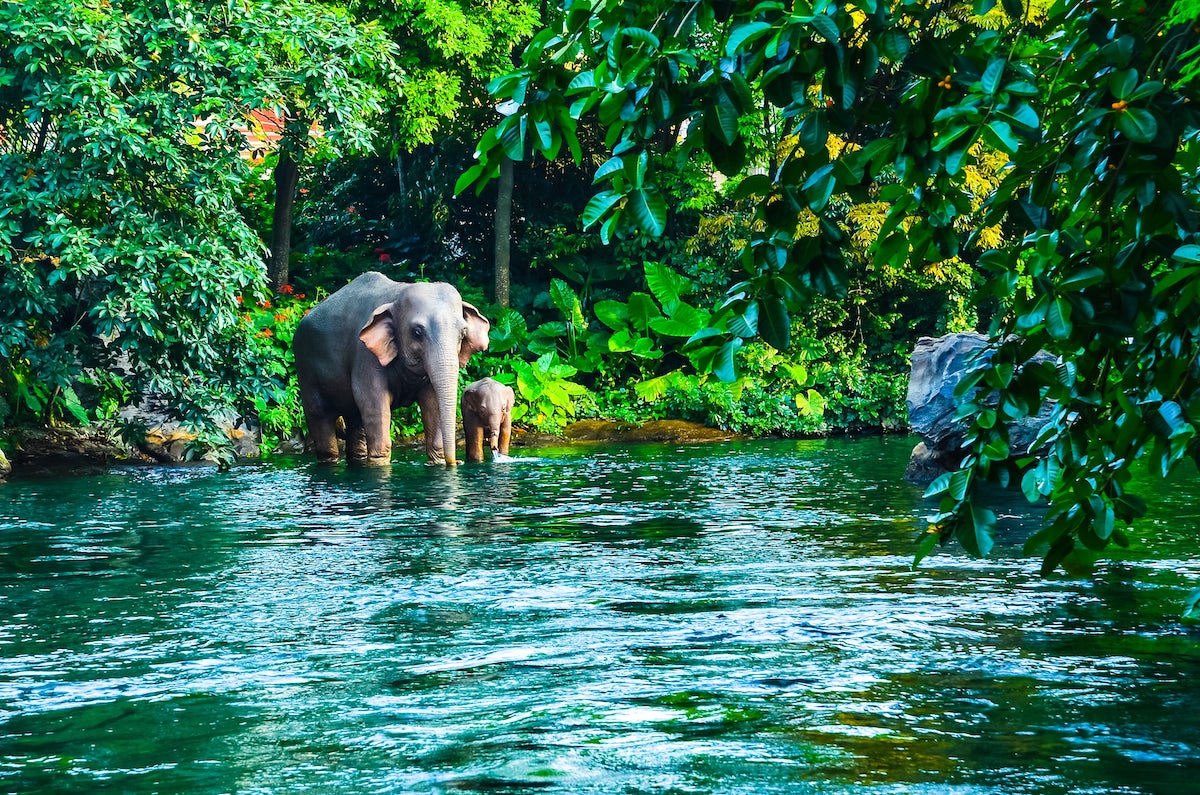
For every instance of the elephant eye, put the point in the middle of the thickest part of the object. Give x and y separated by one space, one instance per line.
418 332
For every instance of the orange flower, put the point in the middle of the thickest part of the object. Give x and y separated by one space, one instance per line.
266 333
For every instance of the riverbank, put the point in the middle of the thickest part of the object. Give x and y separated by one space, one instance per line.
39 449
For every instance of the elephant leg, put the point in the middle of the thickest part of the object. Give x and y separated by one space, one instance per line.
505 434
431 421
377 437
374 420
322 431
473 430
356 440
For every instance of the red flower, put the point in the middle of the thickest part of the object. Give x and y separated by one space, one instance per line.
385 257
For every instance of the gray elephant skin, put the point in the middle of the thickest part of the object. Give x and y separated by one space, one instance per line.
487 408
377 344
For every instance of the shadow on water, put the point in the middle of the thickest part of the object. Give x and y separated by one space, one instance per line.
734 618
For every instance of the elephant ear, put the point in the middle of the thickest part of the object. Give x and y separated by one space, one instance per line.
476 338
379 335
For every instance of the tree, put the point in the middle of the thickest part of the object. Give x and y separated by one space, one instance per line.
1100 261
124 253
503 226
450 51
327 80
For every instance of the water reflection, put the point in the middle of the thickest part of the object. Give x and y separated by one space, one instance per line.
724 619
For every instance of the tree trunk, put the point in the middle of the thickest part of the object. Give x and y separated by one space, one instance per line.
504 230
287 174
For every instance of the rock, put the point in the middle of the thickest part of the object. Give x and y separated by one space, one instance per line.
39 448
167 441
5 466
938 366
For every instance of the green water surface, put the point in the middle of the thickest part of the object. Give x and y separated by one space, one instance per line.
734 618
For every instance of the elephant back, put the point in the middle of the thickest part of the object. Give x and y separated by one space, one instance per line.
327 337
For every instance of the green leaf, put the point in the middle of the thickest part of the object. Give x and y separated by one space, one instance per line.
640 35
996 449
1029 486
1137 124
649 211
1082 278
621 341
825 26
614 165
1001 135
928 540
975 529
723 362
1187 253
752 185
742 34
1014 8
642 310
939 486
1058 319
567 302
599 205
774 323
665 284
1058 552
1122 83
819 187
1191 608
614 314
992 75
584 81
725 115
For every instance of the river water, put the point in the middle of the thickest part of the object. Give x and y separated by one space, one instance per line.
732 618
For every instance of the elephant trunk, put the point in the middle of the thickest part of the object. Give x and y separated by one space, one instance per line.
444 379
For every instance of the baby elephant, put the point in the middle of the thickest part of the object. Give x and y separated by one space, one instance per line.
487 411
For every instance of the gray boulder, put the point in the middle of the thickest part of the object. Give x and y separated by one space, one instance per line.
938 366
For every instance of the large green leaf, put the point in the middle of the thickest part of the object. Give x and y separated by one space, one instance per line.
649 211
684 321
774 323
723 364
642 310
665 284
614 314
599 205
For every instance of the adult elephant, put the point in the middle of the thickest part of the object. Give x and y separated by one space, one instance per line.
376 344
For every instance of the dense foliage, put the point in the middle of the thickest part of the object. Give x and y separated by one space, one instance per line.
124 148
1087 238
